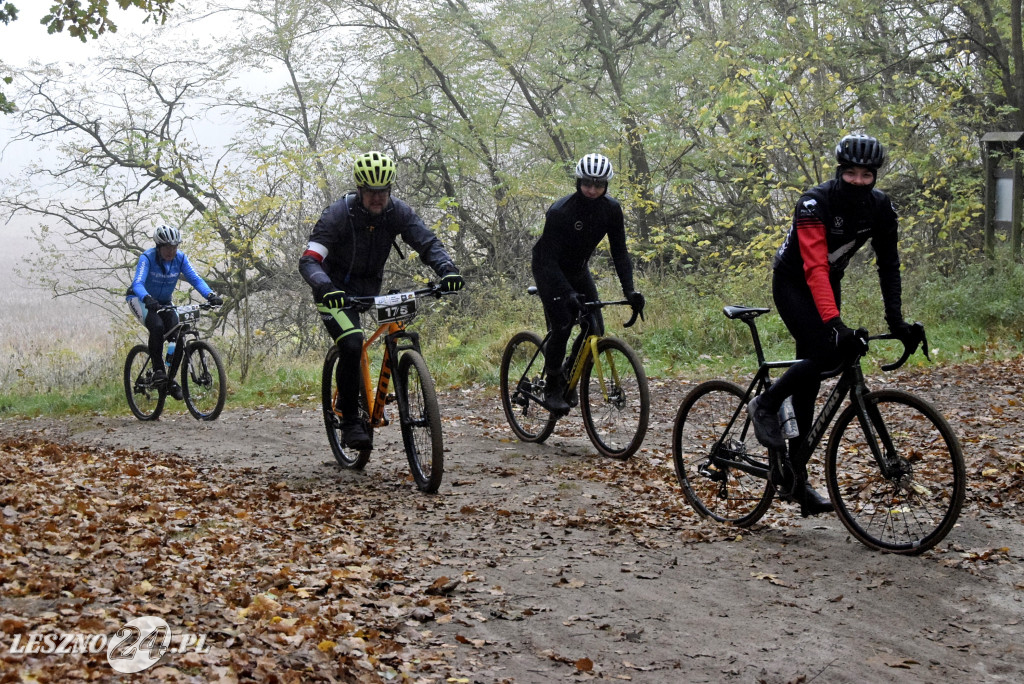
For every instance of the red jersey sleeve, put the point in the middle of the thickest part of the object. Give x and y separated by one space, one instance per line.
810 232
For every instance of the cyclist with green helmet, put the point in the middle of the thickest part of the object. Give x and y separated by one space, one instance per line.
347 251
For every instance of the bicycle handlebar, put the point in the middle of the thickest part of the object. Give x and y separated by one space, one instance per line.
919 339
365 302
202 305
600 305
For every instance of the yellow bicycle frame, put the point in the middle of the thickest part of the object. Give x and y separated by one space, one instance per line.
588 350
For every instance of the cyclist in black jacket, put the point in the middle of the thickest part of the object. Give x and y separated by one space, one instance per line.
573 227
831 222
347 251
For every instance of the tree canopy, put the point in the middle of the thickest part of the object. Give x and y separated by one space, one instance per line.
716 116
82 20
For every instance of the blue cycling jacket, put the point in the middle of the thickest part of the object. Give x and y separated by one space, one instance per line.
158 278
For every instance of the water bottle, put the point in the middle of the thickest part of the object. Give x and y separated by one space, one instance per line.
170 352
787 418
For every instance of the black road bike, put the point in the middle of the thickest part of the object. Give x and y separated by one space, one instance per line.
893 465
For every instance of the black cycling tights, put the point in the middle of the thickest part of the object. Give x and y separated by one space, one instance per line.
815 345
349 375
560 318
158 323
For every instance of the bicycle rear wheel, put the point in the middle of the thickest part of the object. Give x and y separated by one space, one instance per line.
346 458
716 459
421 428
616 403
522 386
145 399
204 384
912 506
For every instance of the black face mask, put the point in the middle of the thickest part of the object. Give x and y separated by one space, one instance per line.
851 195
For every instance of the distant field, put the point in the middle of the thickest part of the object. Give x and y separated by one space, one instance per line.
45 342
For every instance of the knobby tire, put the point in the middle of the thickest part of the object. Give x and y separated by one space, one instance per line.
144 399
530 421
421 426
346 458
203 381
616 423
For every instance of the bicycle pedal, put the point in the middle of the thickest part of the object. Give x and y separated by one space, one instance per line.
781 475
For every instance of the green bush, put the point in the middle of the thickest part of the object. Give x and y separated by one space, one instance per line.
973 314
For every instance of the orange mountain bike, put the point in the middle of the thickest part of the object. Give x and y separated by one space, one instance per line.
402 369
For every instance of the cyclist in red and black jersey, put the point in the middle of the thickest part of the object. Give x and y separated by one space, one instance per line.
831 222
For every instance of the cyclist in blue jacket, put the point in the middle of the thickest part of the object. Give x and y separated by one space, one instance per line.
156 275
346 254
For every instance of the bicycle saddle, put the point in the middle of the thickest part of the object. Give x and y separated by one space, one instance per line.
745 313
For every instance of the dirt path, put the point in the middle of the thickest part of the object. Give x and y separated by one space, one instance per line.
574 566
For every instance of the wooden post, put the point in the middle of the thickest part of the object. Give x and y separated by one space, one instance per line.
1000 149
1015 213
990 199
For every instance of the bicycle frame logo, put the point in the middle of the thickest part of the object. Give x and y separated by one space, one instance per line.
828 411
391 331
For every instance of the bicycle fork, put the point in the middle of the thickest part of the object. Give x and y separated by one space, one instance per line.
879 440
396 341
589 350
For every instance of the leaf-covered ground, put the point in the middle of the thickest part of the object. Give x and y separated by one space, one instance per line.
533 563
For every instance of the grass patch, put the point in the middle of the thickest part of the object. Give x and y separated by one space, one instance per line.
973 315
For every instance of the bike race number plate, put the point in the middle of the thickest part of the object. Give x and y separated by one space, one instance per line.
395 307
189 313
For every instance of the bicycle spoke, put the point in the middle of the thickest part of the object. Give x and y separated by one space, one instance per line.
421 431
145 398
522 367
914 503
702 451
614 399
346 457
203 383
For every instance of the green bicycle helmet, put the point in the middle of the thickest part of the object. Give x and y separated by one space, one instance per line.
374 171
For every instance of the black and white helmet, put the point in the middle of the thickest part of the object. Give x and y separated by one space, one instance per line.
595 167
166 235
860 150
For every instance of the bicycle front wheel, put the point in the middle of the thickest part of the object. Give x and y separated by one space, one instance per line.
145 399
912 501
615 402
720 465
421 426
204 385
346 458
522 387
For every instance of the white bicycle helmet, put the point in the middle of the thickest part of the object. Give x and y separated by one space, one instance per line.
595 167
166 235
